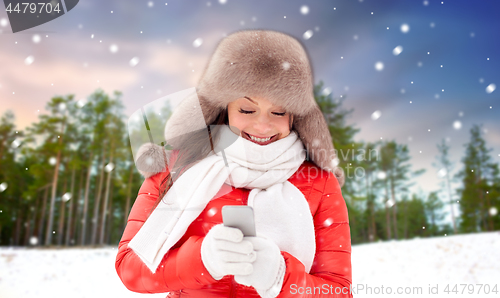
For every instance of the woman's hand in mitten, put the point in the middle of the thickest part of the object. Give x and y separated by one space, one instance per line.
268 269
225 252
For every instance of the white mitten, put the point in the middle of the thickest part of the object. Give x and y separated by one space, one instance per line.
268 269
224 252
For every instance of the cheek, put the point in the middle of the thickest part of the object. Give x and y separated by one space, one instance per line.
236 120
283 126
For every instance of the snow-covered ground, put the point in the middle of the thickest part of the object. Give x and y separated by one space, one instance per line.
419 267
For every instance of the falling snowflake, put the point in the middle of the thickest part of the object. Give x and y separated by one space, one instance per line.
109 167
308 34
3 186
405 28
493 211
379 66
36 38
151 4
52 161
285 65
29 60
197 42
335 162
82 102
442 173
457 125
389 203
381 175
328 222
33 240
222 1
113 48
304 9
426 2
16 143
327 91
212 211
66 197
376 115
61 106
490 88
397 50
3 22
134 61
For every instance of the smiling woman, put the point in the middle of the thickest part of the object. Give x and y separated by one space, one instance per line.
265 145
258 120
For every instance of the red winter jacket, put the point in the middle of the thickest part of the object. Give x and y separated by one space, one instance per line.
182 273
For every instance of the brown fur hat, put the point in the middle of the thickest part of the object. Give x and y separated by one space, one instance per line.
260 63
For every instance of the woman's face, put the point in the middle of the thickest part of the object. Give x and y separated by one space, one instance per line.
258 120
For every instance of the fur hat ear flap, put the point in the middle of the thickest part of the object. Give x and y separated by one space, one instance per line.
192 116
151 159
315 135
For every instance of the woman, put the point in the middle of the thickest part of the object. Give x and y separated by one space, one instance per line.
256 95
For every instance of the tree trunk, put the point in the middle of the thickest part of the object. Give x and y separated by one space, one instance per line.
451 201
370 232
17 233
42 217
106 198
95 219
481 201
387 215
27 225
372 212
78 211
31 226
488 218
406 219
110 218
71 207
129 194
86 201
394 210
60 227
48 234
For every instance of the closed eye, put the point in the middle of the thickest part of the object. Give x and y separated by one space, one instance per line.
245 112
279 114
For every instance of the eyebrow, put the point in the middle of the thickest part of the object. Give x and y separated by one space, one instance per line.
251 100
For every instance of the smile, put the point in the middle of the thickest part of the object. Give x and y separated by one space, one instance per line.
260 141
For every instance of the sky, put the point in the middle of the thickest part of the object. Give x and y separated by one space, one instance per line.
428 69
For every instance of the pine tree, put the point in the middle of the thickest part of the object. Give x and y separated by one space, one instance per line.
343 141
479 175
433 207
445 167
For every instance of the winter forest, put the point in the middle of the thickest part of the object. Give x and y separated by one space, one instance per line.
69 179
407 89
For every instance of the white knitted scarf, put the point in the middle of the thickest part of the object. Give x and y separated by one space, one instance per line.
281 210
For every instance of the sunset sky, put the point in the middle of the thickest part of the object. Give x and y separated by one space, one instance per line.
441 61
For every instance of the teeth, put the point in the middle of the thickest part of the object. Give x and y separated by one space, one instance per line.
259 139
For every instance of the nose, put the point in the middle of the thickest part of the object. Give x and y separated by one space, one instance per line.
263 124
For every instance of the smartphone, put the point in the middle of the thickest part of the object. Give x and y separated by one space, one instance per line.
240 217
